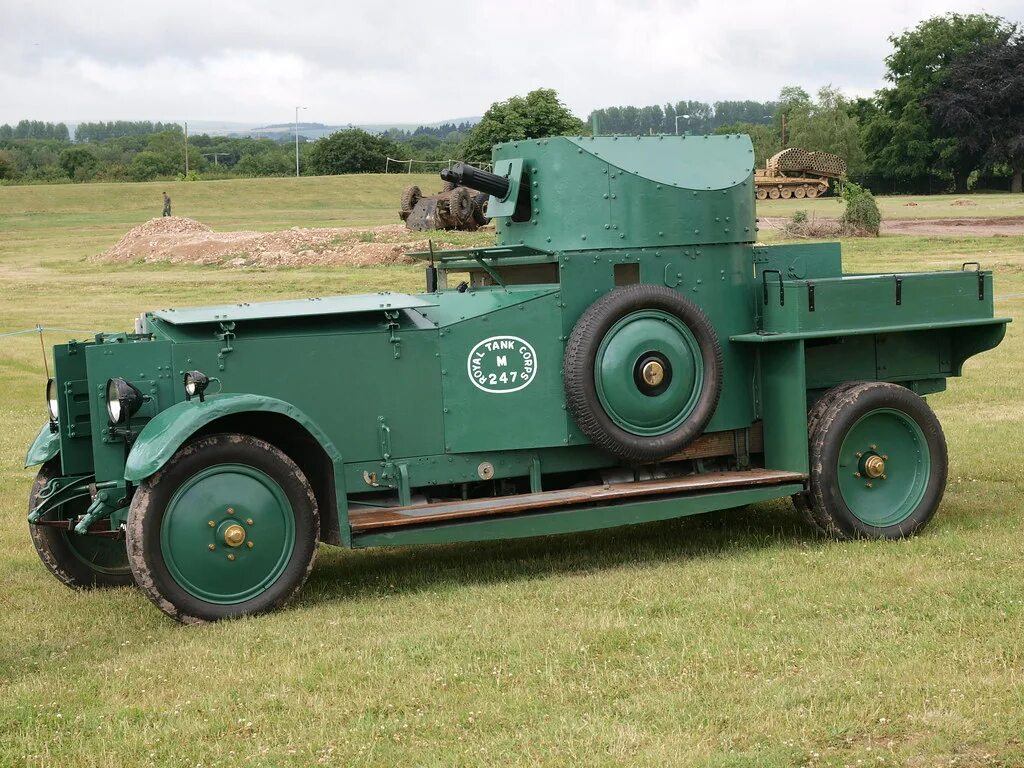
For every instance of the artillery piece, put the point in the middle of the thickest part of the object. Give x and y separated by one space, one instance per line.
624 353
454 207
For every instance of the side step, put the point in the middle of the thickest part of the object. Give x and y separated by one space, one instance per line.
362 520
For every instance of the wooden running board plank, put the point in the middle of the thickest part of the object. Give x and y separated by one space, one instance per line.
415 514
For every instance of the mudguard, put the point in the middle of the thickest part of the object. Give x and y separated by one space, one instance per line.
44 447
169 430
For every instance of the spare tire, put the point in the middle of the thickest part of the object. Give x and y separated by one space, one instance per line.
642 372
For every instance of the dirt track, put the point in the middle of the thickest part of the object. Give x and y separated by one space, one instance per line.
1002 227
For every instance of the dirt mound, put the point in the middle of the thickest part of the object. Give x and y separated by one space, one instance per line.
178 240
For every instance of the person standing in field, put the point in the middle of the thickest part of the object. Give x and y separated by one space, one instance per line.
167 205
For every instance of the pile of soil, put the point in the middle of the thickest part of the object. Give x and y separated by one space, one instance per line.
179 240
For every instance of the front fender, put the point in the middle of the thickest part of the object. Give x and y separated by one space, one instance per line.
44 447
169 430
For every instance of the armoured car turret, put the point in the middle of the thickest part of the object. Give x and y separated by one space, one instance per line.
625 352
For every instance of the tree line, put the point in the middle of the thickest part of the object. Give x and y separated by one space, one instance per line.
682 117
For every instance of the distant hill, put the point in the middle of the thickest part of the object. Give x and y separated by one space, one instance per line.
318 130
286 130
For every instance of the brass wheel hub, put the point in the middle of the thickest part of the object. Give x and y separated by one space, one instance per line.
874 466
653 373
234 535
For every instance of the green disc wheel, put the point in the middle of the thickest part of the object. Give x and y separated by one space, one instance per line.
642 372
878 462
80 562
227 528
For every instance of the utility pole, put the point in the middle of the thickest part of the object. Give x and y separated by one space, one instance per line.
685 117
186 148
297 140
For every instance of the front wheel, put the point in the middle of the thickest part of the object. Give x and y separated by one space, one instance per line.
878 463
80 562
228 527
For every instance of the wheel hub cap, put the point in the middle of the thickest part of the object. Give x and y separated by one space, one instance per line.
234 535
874 466
653 373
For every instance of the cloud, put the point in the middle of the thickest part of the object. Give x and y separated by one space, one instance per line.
419 62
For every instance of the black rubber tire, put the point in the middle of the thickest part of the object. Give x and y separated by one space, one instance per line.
802 501
149 504
480 209
410 197
54 549
460 206
581 354
843 410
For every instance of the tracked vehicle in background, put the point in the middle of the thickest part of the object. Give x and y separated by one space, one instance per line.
795 172
624 353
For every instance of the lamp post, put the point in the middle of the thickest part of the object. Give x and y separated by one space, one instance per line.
297 139
687 117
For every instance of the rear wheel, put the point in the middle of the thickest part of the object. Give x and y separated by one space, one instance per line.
878 463
228 527
80 562
812 192
802 501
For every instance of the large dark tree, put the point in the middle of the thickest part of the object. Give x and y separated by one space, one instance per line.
905 140
982 104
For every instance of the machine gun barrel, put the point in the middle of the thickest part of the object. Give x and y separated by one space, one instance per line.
466 175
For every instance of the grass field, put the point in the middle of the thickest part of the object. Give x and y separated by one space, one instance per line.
727 640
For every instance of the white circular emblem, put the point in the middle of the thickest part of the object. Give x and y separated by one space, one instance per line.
502 364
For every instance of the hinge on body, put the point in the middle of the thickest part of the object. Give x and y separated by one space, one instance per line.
227 333
392 318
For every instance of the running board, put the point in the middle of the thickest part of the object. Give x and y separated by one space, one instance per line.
362 520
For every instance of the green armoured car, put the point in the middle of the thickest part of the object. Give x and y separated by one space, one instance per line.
625 352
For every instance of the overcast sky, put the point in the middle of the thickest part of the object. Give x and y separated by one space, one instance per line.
392 61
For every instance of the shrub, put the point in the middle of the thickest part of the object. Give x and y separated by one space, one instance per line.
861 215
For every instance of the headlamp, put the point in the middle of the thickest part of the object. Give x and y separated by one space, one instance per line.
123 400
196 383
51 399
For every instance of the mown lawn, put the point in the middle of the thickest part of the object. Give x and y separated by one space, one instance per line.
732 639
